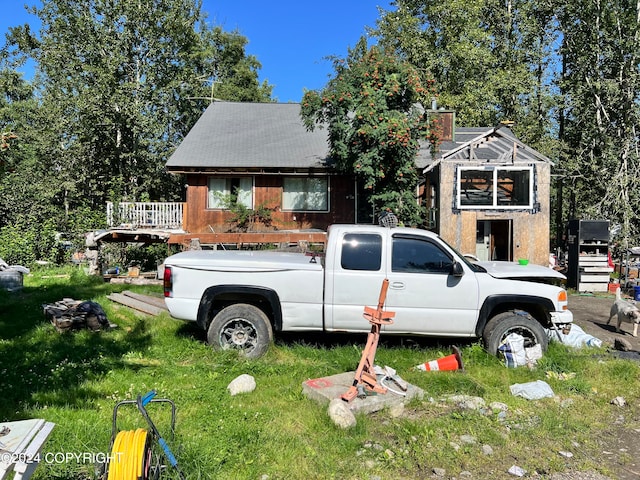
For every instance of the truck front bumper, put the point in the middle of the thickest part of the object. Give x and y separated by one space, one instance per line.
560 318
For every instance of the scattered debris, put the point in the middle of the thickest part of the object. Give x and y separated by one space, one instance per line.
516 355
532 390
18 268
11 276
560 375
622 344
439 472
574 337
466 402
487 450
619 401
69 314
517 471
242 384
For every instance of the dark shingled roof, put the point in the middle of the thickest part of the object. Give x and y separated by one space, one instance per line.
251 135
232 135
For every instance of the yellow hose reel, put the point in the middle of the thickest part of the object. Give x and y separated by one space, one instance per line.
130 456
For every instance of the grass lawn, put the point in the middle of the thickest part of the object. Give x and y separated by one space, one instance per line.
76 379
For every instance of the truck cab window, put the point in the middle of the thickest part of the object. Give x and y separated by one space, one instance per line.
412 255
361 252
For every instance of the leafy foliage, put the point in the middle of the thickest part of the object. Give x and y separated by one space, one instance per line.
566 73
373 111
601 88
245 218
102 116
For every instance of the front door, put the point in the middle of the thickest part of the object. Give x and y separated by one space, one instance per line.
494 240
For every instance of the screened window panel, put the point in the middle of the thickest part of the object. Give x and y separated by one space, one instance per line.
221 188
305 194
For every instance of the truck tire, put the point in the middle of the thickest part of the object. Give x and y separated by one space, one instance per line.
243 327
500 326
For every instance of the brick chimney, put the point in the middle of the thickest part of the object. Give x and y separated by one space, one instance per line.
446 120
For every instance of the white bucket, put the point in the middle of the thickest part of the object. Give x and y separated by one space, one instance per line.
10 280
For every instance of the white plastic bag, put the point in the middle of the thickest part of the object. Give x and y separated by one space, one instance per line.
576 337
512 349
532 390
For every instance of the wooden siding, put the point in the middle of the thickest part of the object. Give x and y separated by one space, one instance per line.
530 230
268 191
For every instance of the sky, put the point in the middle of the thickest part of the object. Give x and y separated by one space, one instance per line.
290 38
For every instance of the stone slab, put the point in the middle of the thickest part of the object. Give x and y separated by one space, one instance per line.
325 389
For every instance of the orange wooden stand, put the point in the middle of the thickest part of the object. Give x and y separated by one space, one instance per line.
365 378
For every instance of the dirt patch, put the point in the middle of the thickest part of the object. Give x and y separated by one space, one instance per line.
619 445
591 313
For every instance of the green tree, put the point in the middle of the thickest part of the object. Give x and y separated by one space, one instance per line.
233 72
103 114
372 108
490 59
600 85
128 93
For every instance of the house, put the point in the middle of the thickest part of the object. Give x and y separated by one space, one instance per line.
262 154
486 193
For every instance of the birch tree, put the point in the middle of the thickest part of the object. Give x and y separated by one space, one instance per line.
601 88
125 81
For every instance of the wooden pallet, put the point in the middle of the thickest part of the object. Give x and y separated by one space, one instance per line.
142 303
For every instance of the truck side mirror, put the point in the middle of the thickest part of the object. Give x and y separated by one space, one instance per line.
457 270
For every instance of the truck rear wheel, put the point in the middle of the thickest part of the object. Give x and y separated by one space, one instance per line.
241 327
500 326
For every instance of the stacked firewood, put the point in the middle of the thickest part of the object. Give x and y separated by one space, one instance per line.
69 314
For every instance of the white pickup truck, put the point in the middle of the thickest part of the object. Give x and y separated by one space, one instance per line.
241 297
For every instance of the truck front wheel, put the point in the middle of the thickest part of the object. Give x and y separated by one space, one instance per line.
242 327
500 326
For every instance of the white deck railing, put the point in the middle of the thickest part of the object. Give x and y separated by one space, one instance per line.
145 215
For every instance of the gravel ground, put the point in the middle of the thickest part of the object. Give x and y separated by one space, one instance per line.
620 445
591 312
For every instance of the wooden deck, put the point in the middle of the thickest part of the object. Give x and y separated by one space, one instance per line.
160 222
135 215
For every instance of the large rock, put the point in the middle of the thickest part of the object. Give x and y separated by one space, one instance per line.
340 413
242 384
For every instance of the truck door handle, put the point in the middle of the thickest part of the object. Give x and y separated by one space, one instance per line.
397 285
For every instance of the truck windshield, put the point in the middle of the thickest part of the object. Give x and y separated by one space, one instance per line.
473 266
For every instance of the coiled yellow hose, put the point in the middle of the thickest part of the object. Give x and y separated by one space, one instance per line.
128 455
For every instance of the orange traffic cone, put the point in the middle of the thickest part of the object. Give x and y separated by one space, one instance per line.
450 362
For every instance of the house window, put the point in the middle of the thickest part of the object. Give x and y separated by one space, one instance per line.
238 189
309 194
495 187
